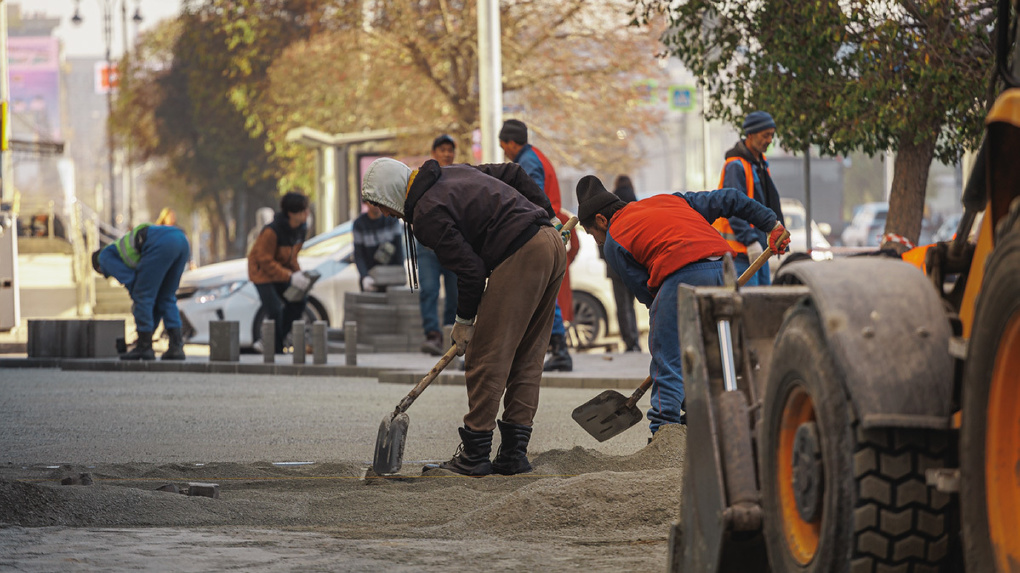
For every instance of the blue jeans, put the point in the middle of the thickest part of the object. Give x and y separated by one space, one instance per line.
667 393
558 327
761 278
429 273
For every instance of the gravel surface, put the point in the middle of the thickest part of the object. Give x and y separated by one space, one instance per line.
587 506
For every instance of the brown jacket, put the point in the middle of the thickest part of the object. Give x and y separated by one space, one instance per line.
273 257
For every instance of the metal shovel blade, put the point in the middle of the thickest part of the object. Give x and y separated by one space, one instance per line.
606 415
389 444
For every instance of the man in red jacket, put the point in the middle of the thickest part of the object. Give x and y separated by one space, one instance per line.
656 244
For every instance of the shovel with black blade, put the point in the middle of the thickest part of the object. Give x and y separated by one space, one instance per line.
610 413
389 445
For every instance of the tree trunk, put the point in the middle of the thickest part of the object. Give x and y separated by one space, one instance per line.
906 200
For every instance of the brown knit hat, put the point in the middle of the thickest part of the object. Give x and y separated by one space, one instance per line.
592 197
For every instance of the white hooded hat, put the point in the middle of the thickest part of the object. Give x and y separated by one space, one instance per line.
386 183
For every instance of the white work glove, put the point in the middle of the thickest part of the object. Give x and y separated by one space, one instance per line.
754 251
368 283
461 335
300 280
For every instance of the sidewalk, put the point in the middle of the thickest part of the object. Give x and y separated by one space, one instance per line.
591 370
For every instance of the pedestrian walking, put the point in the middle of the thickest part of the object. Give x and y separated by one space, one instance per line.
489 224
654 245
273 266
513 139
149 262
747 170
430 272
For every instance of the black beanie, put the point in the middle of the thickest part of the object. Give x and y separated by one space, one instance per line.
514 130
592 197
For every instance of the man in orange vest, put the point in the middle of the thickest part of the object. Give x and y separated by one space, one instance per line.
747 169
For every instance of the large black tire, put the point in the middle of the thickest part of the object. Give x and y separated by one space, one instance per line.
989 444
873 511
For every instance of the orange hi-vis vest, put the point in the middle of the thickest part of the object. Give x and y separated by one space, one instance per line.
722 224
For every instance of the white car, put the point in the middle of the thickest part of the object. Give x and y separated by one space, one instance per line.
594 304
794 214
222 291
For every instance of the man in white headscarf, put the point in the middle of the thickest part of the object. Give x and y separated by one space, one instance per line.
489 224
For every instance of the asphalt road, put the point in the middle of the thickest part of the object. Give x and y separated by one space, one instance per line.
61 417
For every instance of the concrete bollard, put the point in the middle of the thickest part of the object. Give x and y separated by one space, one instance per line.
297 334
351 343
319 342
269 341
224 340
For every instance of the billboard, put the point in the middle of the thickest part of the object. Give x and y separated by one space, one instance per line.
34 87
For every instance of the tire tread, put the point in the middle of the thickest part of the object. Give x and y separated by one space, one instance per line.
909 534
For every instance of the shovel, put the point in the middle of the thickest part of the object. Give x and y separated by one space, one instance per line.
610 413
389 445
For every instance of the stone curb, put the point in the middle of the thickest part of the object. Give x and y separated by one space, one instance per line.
385 375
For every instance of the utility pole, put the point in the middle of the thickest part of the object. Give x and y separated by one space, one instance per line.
10 301
490 80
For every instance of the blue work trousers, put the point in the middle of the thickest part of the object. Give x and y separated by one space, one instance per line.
667 392
429 274
154 292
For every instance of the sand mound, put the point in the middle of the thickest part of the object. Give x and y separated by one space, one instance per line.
665 451
569 491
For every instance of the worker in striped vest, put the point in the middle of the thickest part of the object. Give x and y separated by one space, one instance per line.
149 262
747 169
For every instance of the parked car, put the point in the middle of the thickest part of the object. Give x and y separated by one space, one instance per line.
947 230
594 305
222 291
867 226
795 216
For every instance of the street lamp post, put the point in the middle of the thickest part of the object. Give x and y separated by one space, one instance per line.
108 8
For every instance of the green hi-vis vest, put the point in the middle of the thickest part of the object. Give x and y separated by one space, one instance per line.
127 246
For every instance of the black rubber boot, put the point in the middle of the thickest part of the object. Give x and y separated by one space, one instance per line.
472 457
142 349
176 350
512 456
560 360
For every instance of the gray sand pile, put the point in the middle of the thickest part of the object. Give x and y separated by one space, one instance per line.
570 491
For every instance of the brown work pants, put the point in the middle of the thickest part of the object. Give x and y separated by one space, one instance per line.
515 316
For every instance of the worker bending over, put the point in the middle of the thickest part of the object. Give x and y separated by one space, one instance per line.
655 245
486 222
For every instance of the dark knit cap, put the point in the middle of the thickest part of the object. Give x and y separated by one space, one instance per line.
592 197
443 139
758 121
514 130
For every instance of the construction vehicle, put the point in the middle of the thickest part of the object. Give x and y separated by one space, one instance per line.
861 416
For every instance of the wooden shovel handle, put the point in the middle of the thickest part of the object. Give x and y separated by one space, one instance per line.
569 225
639 392
762 258
421 386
